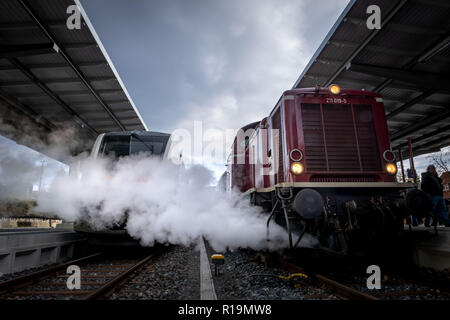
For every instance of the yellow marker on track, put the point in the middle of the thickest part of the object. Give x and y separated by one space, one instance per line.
294 275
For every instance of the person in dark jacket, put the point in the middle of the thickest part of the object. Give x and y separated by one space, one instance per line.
432 185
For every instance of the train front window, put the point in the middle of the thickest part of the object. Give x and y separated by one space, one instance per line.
116 146
155 145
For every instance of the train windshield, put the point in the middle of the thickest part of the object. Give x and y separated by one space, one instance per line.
117 146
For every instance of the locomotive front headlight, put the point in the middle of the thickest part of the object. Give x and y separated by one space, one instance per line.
391 168
297 168
335 89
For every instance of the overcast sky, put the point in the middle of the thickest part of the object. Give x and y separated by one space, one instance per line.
225 62
222 62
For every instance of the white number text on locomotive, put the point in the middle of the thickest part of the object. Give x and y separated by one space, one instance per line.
336 100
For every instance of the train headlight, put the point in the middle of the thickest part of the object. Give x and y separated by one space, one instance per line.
335 89
297 168
391 168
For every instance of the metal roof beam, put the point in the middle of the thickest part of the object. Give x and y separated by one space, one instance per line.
430 144
89 103
55 65
87 93
398 121
435 49
25 25
75 93
328 61
12 101
423 79
400 27
423 102
27 50
6 84
53 81
32 95
422 57
397 85
409 112
89 113
52 95
436 3
420 124
107 128
52 38
426 136
93 118
386 20
373 48
80 45
411 103
76 80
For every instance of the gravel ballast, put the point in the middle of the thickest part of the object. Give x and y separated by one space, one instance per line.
174 275
243 277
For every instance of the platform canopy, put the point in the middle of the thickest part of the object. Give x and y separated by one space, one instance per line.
54 80
407 61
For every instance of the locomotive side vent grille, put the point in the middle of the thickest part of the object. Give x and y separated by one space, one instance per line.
340 138
336 178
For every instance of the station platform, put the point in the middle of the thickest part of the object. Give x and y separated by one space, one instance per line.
22 249
431 249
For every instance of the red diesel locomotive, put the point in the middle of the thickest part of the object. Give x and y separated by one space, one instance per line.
321 163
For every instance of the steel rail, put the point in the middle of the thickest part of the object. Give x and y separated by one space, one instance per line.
110 285
24 280
343 290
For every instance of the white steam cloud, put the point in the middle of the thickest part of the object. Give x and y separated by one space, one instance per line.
163 203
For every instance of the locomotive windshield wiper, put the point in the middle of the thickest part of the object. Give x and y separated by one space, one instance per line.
145 144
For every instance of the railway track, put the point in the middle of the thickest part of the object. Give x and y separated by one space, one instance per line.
343 291
100 276
351 287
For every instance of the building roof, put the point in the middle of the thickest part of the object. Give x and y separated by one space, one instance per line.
445 177
407 61
53 78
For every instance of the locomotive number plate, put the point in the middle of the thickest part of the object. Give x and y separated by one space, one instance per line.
336 100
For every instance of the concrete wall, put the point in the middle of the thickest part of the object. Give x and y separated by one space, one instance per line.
20 250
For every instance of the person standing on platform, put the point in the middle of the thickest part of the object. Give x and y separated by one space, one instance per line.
432 185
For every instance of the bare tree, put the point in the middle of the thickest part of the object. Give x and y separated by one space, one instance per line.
441 160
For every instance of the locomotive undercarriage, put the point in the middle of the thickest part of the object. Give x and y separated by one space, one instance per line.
342 220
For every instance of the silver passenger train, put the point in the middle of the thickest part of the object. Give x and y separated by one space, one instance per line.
116 145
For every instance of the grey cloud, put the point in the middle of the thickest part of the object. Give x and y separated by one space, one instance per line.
178 57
